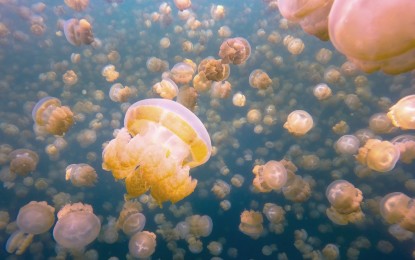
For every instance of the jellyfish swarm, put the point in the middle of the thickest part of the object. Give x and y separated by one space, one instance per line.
155 150
78 32
384 31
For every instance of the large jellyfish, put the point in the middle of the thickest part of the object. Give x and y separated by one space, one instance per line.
155 150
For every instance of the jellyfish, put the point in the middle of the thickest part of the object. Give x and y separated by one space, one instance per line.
52 117
166 88
221 89
259 79
217 12
110 73
406 146
379 123
274 213
214 69
199 226
378 155
137 156
270 176
201 83
120 93
81 175
109 233
238 99
235 50
221 189
402 113
331 252
296 188
182 73
156 65
398 208
23 161
187 97
130 219
77 226
347 145
377 48
312 16
142 244
251 223
78 32
183 4
298 123
215 248
77 5
322 91
70 78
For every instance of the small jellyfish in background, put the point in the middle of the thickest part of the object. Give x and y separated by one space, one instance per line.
199 226
402 113
239 99
221 189
160 142
276 216
372 23
347 145
221 89
322 91
166 88
70 78
34 218
213 69
312 16
187 97
378 155
120 93
182 73
78 32
52 117
182 4
270 176
201 83
215 248
77 5
398 208
235 50
217 12
156 65
130 219
142 245
379 123
331 252
295 46
110 73
77 226
23 161
345 202
298 123
406 146
81 175
251 223
259 79
296 189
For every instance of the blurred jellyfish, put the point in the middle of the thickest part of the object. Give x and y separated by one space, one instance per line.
331 252
398 208
142 245
213 69
77 5
274 213
81 175
322 91
215 248
376 49
259 79
187 97
78 32
270 176
296 188
120 93
298 123
77 226
402 113
235 50
347 145
137 156
221 89
251 223
166 88
130 219
378 155
70 78
221 189
239 99
201 83
183 4
182 73
217 12
52 117
110 73
109 233
379 123
295 46
199 226
156 65
23 161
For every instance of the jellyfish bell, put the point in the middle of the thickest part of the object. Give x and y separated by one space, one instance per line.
77 5
78 32
270 176
142 244
259 79
343 196
182 73
166 88
298 123
402 113
81 175
137 156
347 145
134 223
235 50
35 217
183 4
23 161
251 223
378 155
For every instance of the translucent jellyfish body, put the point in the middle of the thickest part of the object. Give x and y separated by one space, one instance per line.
142 244
214 69
52 117
166 88
77 226
161 141
78 32
251 223
235 50
298 123
259 79
378 155
347 145
182 4
81 174
398 208
377 48
270 176
77 5
182 73
23 161
322 91
119 93
402 113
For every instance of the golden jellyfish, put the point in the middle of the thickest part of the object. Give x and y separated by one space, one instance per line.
331 252
235 50
23 161
270 176
239 99
224 32
199 226
81 175
182 73
221 89
406 146
201 83
259 79
402 113
295 46
214 69
379 123
378 155
251 223
187 97
77 226
377 48
110 73
347 145
142 245
120 93
164 43
133 223
77 5
137 156
70 78
322 91
296 188
221 189
217 12
166 88
78 32
398 208
50 115
312 16
274 213
215 248
156 65
18 242
182 4
298 123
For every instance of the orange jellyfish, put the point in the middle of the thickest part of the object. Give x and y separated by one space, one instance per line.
378 155
155 150
298 123
182 73
214 69
384 30
78 32
77 5
270 176
398 208
251 223
166 88
402 113
77 226
50 115
23 161
142 244
259 79
81 175
183 4
235 50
